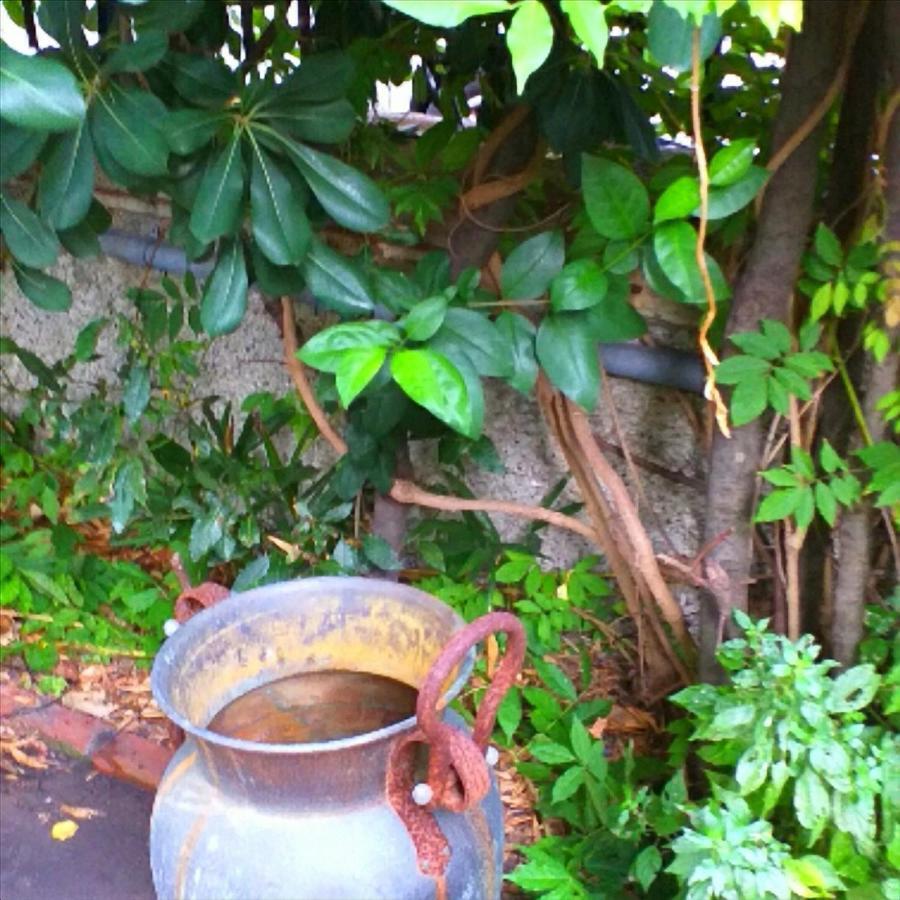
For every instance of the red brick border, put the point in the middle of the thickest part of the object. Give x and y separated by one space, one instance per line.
128 757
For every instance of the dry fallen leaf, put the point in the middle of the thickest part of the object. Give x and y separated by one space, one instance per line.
94 703
80 812
62 831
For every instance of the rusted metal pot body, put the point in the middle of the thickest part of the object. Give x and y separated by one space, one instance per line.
240 819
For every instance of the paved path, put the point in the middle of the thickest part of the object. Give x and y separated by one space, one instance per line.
107 859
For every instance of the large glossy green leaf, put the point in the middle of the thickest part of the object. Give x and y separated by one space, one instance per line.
225 293
66 186
678 200
18 150
320 78
474 336
669 36
187 130
732 162
143 53
280 226
29 239
674 245
355 370
349 197
614 318
448 13
325 349
38 93
322 123
580 285
128 123
432 381
518 334
529 39
425 318
203 81
529 269
43 290
615 199
567 352
217 208
723 201
336 281
589 24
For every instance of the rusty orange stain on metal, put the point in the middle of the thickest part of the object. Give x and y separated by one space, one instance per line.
187 849
177 773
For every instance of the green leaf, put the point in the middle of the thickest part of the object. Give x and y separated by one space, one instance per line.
620 257
792 382
380 553
29 239
336 281
555 679
38 93
748 400
529 39
806 507
66 186
809 364
752 768
472 335
320 78
811 801
755 344
778 505
136 394
614 318
129 125
187 130
669 36
86 341
812 876
731 163
206 532
280 226
589 24
678 200
543 875
615 198
129 487
325 350
509 713
781 477
349 197
276 281
18 150
355 370
550 753
321 123
425 318
528 270
432 381
580 285
217 207
728 722
43 290
568 354
225 294
825 502
202 80
738 368
567 784
725 201
518 334
853 690
447 13
675 245
646 866
828 247
580 740
147 49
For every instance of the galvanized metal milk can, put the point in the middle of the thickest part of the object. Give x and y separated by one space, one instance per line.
408 811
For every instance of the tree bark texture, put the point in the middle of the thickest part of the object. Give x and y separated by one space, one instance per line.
764 290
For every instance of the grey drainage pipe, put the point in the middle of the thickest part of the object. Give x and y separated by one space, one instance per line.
650 365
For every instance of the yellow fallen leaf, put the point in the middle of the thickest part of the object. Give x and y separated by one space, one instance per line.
62 831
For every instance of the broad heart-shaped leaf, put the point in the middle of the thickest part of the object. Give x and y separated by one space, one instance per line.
448 13
355 370
38 93
143 53
129 123
669 36
29 239
723 201
187 130
425 318
675 245
529 269
349 197
732 162
336 281
473 335
225 294
325 350
518 334
432 381
18 150
280 226
66 186
568 354
217 207
580 285
678 200
203 81
589 24
529 39
322 123
43 290
615 199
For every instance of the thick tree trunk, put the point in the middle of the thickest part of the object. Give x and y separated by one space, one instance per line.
764 290
856 527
